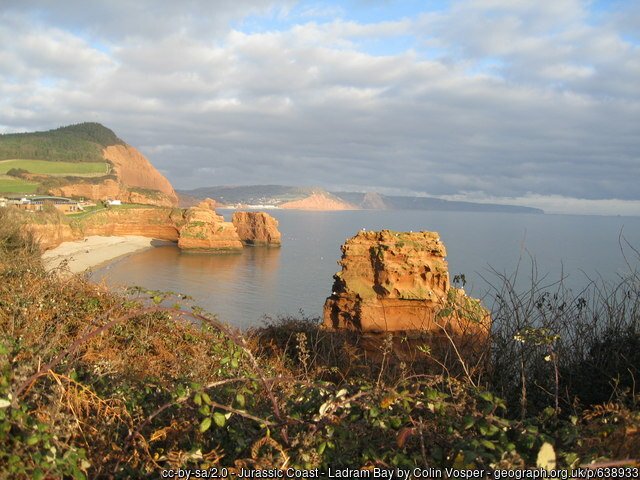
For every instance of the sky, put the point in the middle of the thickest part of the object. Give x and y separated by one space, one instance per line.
524 102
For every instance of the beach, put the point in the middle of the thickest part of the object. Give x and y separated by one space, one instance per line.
93 251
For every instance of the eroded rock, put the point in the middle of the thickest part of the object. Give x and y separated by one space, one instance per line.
204 230
399 281
257 228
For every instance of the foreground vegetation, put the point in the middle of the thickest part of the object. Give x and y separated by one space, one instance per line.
98 385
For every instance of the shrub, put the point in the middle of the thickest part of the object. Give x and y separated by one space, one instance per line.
17 172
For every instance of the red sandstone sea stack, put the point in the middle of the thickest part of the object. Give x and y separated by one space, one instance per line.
399 281
204 230
257 228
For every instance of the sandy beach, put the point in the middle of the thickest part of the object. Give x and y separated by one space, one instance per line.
93 251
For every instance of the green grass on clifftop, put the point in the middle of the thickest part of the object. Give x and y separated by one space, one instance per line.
44 167
74 143
16 185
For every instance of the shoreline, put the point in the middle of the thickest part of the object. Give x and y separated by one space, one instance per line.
93 251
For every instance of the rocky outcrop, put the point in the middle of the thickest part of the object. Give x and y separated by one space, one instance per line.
197 228
257 228
394 281
319 201
203 230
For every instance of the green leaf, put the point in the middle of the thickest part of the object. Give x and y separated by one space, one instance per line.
219 419
240 399
487 396
4 402
206 398
468 422
487 444
205 424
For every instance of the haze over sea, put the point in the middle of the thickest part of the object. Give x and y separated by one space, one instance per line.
242 288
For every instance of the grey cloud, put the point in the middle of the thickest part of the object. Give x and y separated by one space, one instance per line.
306 106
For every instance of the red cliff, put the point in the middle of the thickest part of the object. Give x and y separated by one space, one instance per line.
137 181
319 201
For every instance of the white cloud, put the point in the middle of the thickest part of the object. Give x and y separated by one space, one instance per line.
555 113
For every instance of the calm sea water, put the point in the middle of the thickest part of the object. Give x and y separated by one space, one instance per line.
242 288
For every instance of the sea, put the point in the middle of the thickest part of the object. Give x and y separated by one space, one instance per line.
246 289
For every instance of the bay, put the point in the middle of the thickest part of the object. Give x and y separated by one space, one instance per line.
242 288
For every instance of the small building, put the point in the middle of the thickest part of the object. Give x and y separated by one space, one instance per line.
36 204
114 202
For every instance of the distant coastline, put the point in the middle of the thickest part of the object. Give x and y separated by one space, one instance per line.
309 199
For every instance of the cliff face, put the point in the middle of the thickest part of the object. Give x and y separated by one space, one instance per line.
160 223
204 230
197 228
393 281
137 181
134 170
257 228
319 201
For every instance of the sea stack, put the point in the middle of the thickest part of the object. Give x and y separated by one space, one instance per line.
257 229
399 281
205 231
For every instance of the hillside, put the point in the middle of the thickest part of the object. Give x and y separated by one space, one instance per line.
250 194
81 142
288 197
319 201
84 160
393 202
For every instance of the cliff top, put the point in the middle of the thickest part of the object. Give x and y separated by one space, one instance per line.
79 142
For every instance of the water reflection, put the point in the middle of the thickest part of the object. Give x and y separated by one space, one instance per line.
239 287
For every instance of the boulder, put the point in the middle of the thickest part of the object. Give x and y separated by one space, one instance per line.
257 228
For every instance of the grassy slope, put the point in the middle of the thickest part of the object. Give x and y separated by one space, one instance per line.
45 167
16 185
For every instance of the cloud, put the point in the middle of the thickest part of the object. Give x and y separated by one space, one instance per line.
495 99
